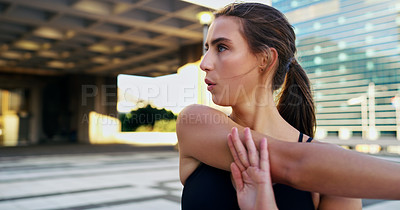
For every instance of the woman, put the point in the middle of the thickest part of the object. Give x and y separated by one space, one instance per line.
250 53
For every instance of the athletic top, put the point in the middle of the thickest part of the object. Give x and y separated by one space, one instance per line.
301 138
209 188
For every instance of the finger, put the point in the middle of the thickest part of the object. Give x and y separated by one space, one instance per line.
251 148
234 153
264 157
240 149
245 174
237 177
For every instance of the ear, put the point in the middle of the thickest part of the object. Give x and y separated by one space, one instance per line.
268 59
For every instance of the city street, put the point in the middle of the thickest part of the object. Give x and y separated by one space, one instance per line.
86 177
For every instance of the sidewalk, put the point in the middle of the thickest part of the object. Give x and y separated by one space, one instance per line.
89 177
98 177
69 149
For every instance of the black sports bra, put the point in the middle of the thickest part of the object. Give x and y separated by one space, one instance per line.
210 188
301 138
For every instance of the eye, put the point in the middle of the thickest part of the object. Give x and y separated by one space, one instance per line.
221 48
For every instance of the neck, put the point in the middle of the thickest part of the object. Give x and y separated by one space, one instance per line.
264 117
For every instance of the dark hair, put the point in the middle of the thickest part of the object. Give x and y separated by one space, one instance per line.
265 27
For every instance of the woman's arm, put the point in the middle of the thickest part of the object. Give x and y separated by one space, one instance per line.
318 167
328 202
325 202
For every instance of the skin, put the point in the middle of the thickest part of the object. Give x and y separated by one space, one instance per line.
316 167
254 186
253 181
233 69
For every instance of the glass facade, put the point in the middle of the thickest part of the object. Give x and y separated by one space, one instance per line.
350 50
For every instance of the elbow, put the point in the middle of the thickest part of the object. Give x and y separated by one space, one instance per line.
288 174
303 169
286 162
295 173
293 176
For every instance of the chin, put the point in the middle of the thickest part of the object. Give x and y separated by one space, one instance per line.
221 101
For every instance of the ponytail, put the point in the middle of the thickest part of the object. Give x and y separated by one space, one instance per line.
295 103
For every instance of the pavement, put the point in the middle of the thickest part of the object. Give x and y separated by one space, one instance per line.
99 177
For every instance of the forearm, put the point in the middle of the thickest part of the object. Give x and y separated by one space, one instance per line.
331 170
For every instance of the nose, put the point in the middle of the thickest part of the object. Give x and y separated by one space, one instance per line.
206 63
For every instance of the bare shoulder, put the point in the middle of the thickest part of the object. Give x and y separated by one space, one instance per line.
198 109
197 114
196 118
202 136
185 123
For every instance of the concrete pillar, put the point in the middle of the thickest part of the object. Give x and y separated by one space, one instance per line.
97 94
35 128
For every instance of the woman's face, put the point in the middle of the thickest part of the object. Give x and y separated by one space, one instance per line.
232 71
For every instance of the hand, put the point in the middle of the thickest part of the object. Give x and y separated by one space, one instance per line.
251 172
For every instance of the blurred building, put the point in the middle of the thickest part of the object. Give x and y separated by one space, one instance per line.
351 51
59 61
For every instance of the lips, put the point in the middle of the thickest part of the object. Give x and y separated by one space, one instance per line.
210 84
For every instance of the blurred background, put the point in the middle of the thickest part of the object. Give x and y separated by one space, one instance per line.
92 75
80 71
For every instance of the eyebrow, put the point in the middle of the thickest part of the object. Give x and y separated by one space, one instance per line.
217 40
